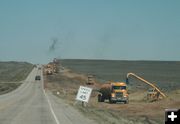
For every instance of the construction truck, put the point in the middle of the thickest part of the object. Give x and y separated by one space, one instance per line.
55 68
154 93
90 79
114 92
49 69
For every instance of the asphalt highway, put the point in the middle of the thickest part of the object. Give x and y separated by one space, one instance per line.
31 104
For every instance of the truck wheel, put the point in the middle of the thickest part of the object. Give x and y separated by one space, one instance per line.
100 98
126 102
110 101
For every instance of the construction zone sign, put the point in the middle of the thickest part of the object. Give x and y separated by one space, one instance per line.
84 94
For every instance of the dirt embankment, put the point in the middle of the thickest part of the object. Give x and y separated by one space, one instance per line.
138 111
11 73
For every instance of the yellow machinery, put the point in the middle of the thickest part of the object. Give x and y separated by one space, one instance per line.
90 80
114 92
154 93
49 69
52 67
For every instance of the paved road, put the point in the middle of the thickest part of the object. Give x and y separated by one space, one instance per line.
31 104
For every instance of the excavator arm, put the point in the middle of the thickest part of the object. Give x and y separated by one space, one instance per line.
147 82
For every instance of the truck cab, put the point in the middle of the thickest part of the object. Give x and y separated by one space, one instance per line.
119 93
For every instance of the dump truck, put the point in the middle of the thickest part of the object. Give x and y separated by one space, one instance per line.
114 92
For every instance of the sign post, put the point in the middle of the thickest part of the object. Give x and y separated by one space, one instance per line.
83 94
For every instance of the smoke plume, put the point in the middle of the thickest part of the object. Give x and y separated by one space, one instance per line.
53 46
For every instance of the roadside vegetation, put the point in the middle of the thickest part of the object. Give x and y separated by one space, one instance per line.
11 75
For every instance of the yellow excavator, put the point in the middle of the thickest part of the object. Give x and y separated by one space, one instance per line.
154 93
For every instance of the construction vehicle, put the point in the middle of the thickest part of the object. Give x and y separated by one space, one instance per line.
114 92
48 69
56 65
55 68
56 61
52 67
49 72
154 93
90 80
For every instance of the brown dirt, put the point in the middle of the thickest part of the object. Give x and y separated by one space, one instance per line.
137 111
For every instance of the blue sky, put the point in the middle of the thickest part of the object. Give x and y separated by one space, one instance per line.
94 29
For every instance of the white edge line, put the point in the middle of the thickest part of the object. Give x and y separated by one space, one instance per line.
52 111
50 105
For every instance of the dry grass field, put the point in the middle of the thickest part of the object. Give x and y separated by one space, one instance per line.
11 73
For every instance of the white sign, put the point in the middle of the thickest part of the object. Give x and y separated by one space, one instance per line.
84 94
